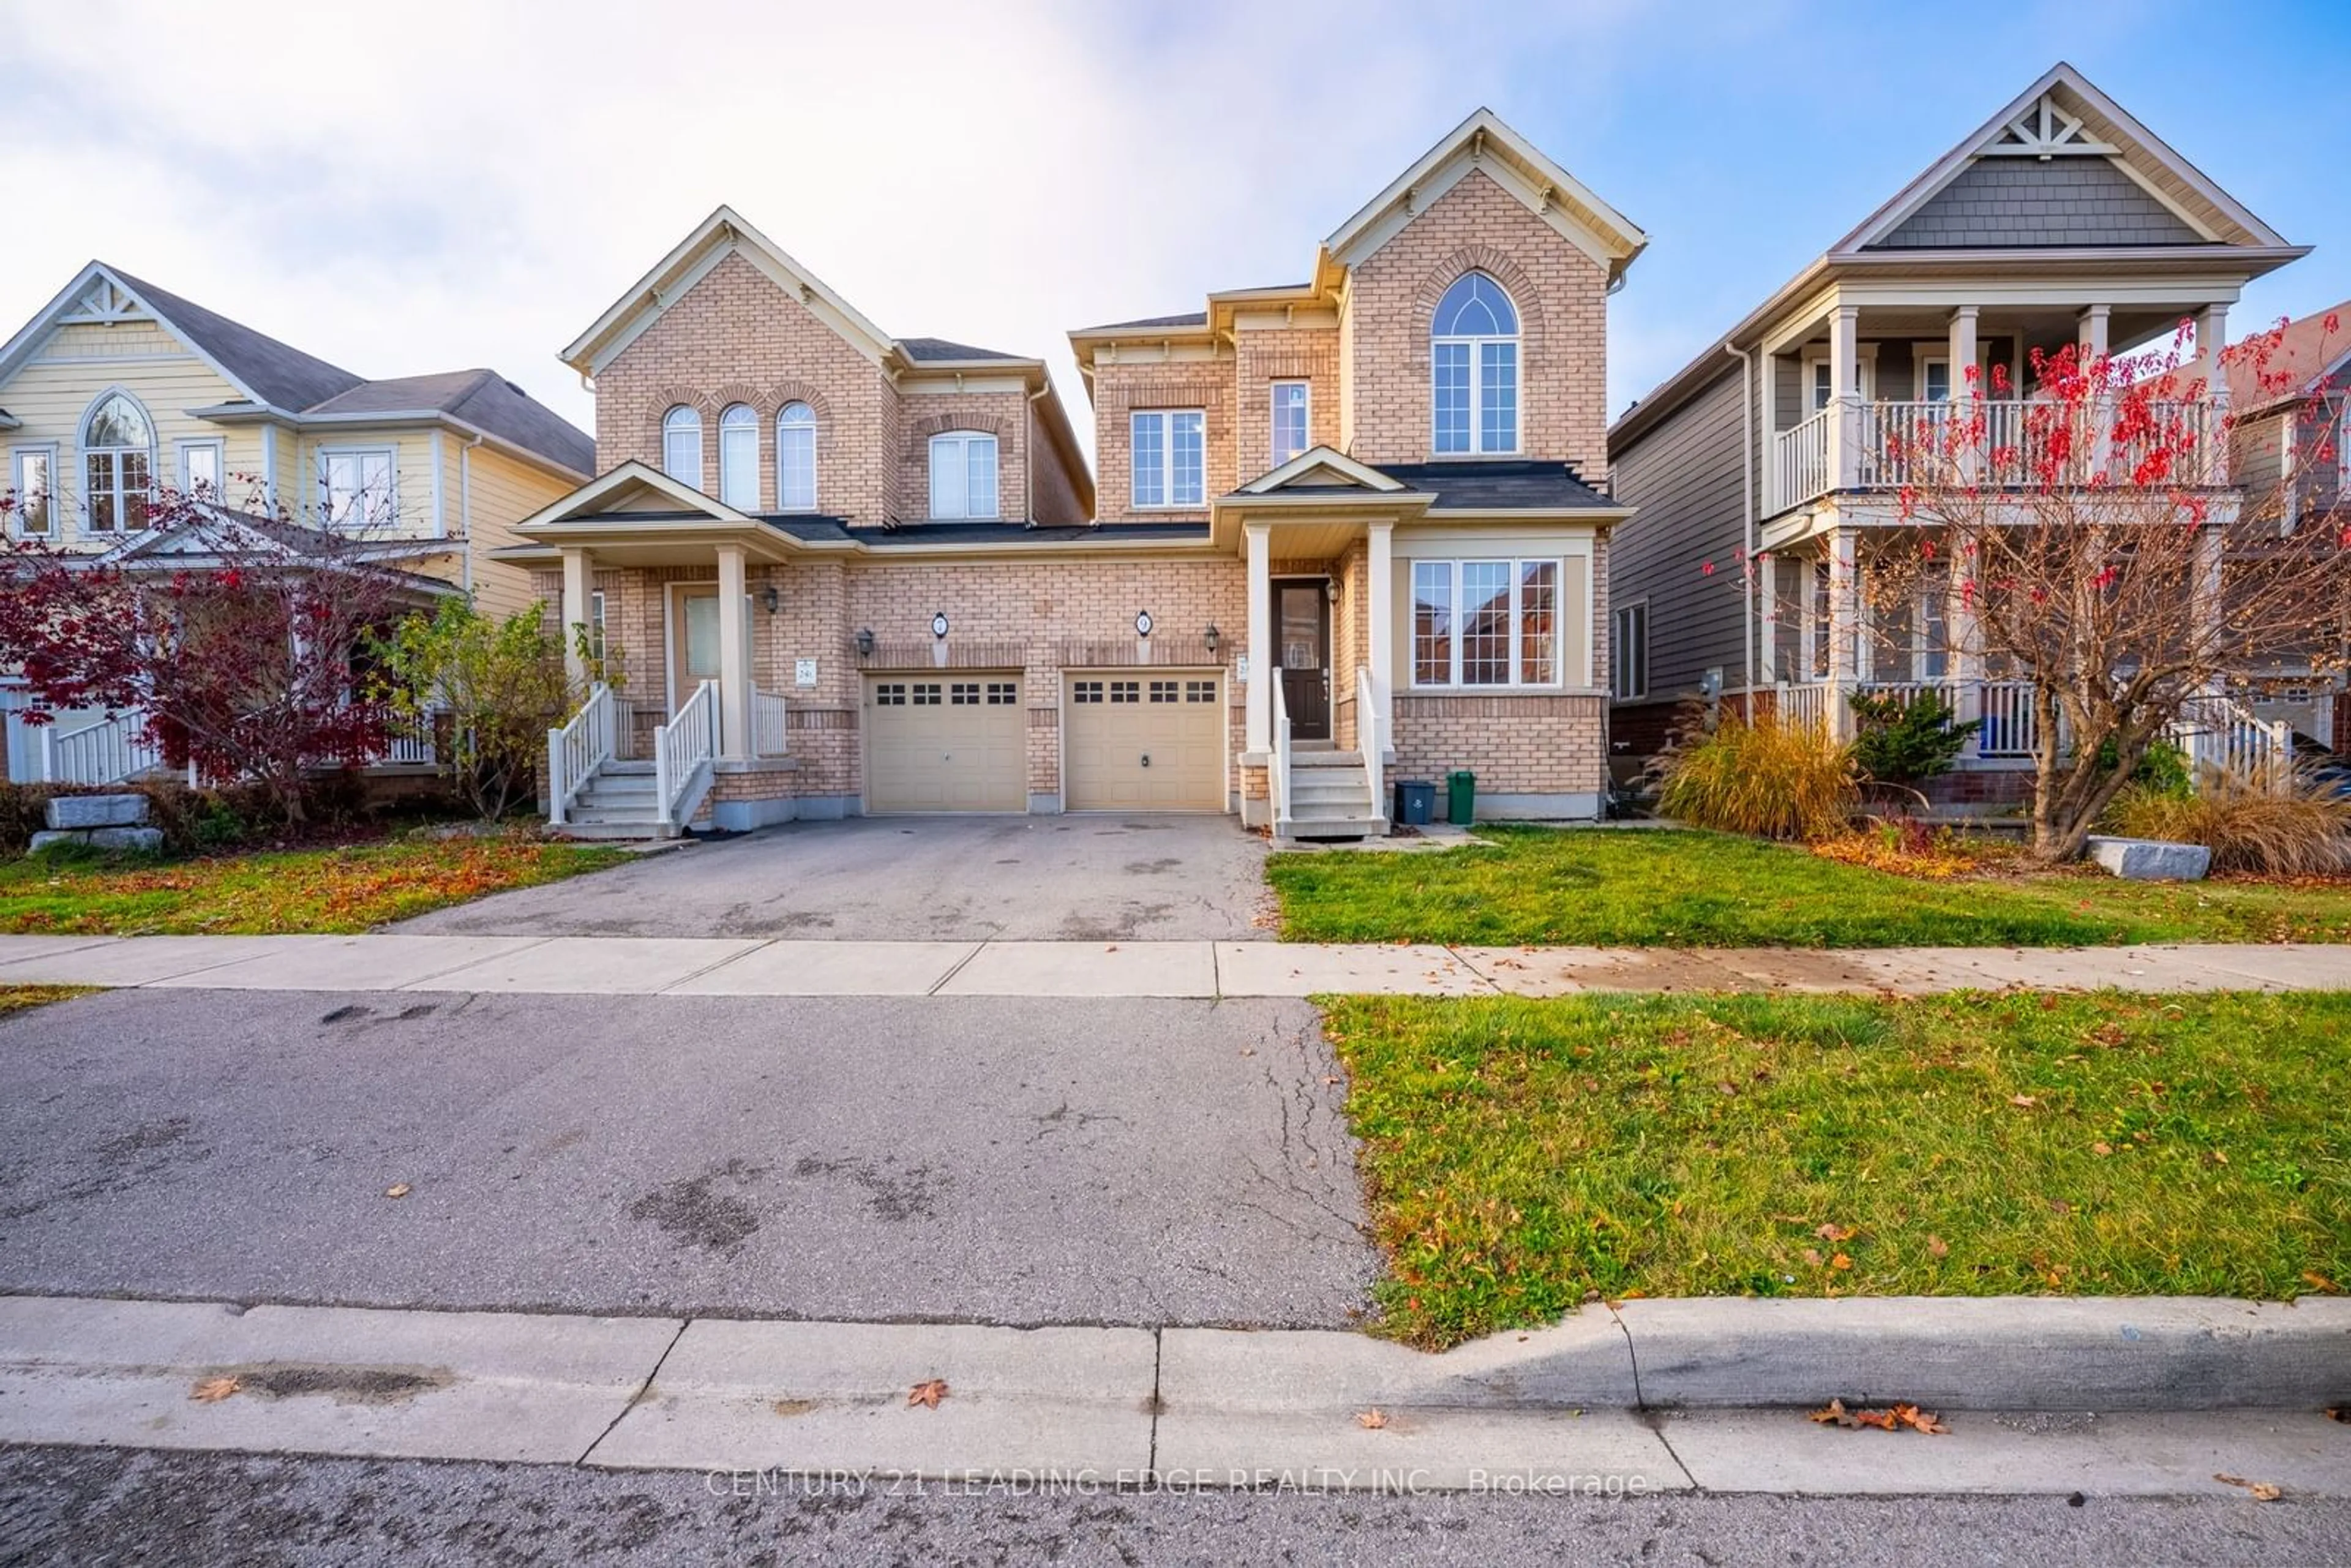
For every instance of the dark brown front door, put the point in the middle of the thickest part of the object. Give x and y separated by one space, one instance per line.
1301 630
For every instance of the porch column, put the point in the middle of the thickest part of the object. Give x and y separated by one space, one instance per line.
1380 561
1965 664
1966 394
733 656
1768 449
2211 336
2092 340
1259 733
1845 395
1766 568
578 582
1844 622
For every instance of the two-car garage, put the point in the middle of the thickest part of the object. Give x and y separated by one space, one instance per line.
1131 740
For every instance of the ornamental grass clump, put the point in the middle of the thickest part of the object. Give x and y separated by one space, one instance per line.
2246 825
1764 778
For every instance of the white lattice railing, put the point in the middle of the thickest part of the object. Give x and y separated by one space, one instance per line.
1800 462
2216 734
1805 706
684 752
1277 776
576 751
767 738
107 752
1368 738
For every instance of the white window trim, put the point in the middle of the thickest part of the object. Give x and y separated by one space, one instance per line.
1166 418
391 455
1518 565
1273 421
16 455
219 449
816 489
1617 643
961 440
83 449
1866 383
1475 343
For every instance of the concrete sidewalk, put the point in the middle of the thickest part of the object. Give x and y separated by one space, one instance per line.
746 966
1654 1396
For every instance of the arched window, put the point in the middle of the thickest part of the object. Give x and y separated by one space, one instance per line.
1474 367
796 458
963 474
682 445
738 458
117 456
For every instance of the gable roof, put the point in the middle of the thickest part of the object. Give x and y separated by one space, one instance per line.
1320 468
1483 141
2309 350
481 398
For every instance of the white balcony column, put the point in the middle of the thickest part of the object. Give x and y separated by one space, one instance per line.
1845 395
734 655
2211 336
1845 627
1967 392
578 582
2091 340
1768 451
1259 733
1380 645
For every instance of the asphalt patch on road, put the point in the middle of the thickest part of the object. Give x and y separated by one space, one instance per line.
696 1214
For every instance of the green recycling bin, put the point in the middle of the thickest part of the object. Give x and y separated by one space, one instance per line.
1461 797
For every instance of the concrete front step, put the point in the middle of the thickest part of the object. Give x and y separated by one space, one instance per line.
1354 759
1332 827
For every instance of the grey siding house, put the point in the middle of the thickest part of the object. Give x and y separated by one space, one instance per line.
1765 472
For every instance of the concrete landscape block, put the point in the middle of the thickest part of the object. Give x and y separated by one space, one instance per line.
1994 1352
96 811
815 1397
324 1380
2151 859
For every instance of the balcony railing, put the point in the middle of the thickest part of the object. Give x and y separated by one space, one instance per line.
1887 445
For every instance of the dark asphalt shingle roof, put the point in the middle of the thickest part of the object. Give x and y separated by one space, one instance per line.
921 349
1499 486
481 398
1185 319
280 373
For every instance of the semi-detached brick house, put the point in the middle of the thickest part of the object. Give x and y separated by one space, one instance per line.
1346 531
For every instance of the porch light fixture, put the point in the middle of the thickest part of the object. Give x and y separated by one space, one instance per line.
1143 622
939 625
865 643
1212 637
769 600
1330 591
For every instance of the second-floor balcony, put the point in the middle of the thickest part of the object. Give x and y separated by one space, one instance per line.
1881 445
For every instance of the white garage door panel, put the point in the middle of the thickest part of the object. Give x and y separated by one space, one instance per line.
1144 743
946 743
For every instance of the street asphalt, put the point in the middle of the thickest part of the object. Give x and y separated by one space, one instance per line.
88 1506
978 1159
1044 879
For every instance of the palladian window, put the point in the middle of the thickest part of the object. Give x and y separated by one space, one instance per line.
118 450
1474 367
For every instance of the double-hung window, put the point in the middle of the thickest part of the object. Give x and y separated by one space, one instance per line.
1481 624
1629 667
1291 406
1170 458
963 474
32 482
682 445
796 458
200 468
1473 366
118 452
738 458
355 488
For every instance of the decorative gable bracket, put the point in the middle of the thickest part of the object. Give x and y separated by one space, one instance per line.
2045 131
105 302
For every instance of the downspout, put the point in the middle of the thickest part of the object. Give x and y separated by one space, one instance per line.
1750 626
465 511
1028 458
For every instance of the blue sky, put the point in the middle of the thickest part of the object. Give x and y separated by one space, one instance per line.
434 185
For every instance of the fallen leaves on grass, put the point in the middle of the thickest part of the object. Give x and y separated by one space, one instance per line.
1374 1418
2262 1491
1893 1419
213 1390
928 1394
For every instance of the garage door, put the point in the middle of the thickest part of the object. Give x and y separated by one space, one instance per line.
946 743
1144 743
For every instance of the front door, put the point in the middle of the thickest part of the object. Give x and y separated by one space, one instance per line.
694 642
1301 629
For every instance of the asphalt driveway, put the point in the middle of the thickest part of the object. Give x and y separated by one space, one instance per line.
995 1159
1068 878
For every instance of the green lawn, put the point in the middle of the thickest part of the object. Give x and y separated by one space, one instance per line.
1519 1155
329 890
1671 888
17 999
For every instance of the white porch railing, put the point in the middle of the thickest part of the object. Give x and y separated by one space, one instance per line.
107 752
1800 462
2010 728
1277 774
684 752
767 738
1804 707
2217 733
413 745
1368 738
576 751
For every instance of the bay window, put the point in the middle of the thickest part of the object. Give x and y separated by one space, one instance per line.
1485 623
